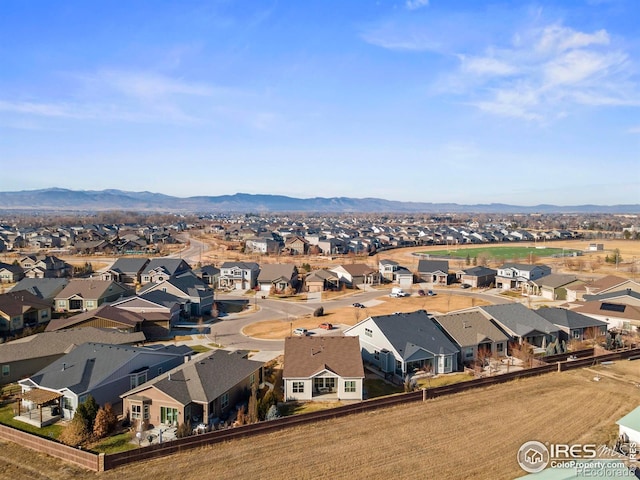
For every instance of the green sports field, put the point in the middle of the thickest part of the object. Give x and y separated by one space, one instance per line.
501 252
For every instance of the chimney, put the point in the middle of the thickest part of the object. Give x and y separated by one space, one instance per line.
169 376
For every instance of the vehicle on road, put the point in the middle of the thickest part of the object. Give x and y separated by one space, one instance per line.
398 293
465 285
326 326
431 293
358 305
301 332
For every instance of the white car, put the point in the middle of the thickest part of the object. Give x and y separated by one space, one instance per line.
301 332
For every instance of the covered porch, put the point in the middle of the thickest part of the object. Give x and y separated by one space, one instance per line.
39 407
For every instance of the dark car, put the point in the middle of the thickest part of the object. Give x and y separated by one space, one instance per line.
421 293
465 285
431 293
358 305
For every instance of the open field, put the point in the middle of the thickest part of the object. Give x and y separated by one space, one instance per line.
501 252
475 434
442 303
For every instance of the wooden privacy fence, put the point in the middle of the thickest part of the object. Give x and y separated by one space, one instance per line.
101 462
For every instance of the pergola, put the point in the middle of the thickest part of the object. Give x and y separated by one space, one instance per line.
40 398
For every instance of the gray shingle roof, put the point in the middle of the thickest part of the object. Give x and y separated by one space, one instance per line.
568 318
519 319
470 328
204 378
427 266
129 265
45 288
55 343
274 271
91 363
407 330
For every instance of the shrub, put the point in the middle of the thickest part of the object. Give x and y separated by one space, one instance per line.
318 312
76 432
105 422
184 430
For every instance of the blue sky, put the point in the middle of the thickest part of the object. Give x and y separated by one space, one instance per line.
416 100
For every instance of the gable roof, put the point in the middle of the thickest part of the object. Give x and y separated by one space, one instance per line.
89 288
275 271
11 267
406 331
16 303
129 265
91 363
169 265
321 275
569 318
427 266
63 341
523 266
241 265
609 309
617 294
555 280
519 319
106 312
41 287
357 269
479 271
470 328
204 378
307 356
606 283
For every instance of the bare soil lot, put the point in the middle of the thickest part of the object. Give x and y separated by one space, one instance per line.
442 303
474 434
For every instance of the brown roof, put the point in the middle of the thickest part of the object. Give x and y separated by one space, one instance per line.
307 356
88 288
609 309
605 283
16 303
358 269
106 312
41 397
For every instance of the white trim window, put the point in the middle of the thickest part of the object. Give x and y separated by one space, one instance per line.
297 387
224 400
350 386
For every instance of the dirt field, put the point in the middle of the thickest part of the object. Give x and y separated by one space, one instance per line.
442 303
474 434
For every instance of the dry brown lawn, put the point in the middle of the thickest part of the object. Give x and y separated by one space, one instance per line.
475 434
282 327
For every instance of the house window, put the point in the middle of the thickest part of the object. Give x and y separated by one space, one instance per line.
66 403
376 355
252 378
224 400
576 334
298 387
136 411
6 370
159 370
350 386
447 363
136 379
500 347
468 352
146 412
368 332
44 314
82 399
90 303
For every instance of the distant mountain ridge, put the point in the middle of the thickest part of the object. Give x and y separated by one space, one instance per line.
61 199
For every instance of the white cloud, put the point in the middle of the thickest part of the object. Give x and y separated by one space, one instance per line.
416 4
53 110
556 38
486 66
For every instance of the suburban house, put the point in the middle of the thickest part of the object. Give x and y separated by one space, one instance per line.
238 275
401 343
278 276
27 355
296 245
101 370
44 288
208 274
188 287
22 309
477 277
356 274
126 270
88 294
435 272
44 266
472 332
618 315
553 286
573 325
323 368
521 324
160 311
518 275
321 280
610 283
629 427
392 271
160 269
203 390
10 273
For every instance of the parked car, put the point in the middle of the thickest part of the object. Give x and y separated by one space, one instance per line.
431 293
326 326
421 293
301 332
358 305
465 285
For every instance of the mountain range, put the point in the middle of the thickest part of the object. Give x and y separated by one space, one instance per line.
65 200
